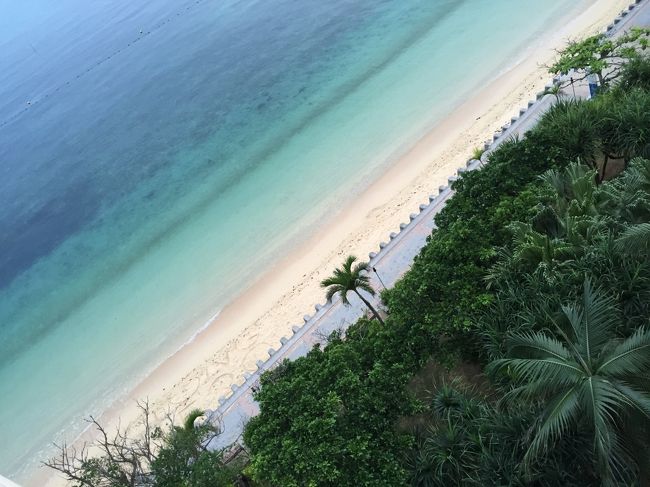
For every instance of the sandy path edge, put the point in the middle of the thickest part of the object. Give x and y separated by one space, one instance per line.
205 369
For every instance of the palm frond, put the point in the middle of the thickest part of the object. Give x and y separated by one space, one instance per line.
532 370
347 265
537 344
331 291
601 404
343 292
332 281
635 239
573 315
361 266
601 317
593 321
631 357
636 400
366 287
561 413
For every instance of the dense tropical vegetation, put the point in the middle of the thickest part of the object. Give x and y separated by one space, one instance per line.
516 351
538 275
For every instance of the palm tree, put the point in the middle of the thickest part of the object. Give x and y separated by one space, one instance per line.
587 377
348 278
440 455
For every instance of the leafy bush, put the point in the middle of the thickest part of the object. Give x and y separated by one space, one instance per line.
445 289
636 74
327 418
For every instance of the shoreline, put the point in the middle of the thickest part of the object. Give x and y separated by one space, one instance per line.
219 354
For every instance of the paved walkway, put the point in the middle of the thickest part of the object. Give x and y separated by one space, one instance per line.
391 261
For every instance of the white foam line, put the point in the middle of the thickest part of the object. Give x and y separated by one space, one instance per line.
203 327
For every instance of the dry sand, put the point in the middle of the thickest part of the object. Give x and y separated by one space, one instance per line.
204 370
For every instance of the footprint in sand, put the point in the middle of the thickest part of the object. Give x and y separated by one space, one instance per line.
223 380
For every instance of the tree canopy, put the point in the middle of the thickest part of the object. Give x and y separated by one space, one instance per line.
602 55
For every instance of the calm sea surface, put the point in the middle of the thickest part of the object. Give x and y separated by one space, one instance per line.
156 156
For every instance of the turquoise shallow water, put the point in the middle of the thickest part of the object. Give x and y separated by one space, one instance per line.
155 158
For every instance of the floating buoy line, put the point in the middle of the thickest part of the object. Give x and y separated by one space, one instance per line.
142 35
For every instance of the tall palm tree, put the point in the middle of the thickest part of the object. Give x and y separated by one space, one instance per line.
348 278
587 377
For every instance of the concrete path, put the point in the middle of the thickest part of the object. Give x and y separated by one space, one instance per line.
638 15
391 261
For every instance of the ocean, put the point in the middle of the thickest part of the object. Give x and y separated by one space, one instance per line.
156 157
